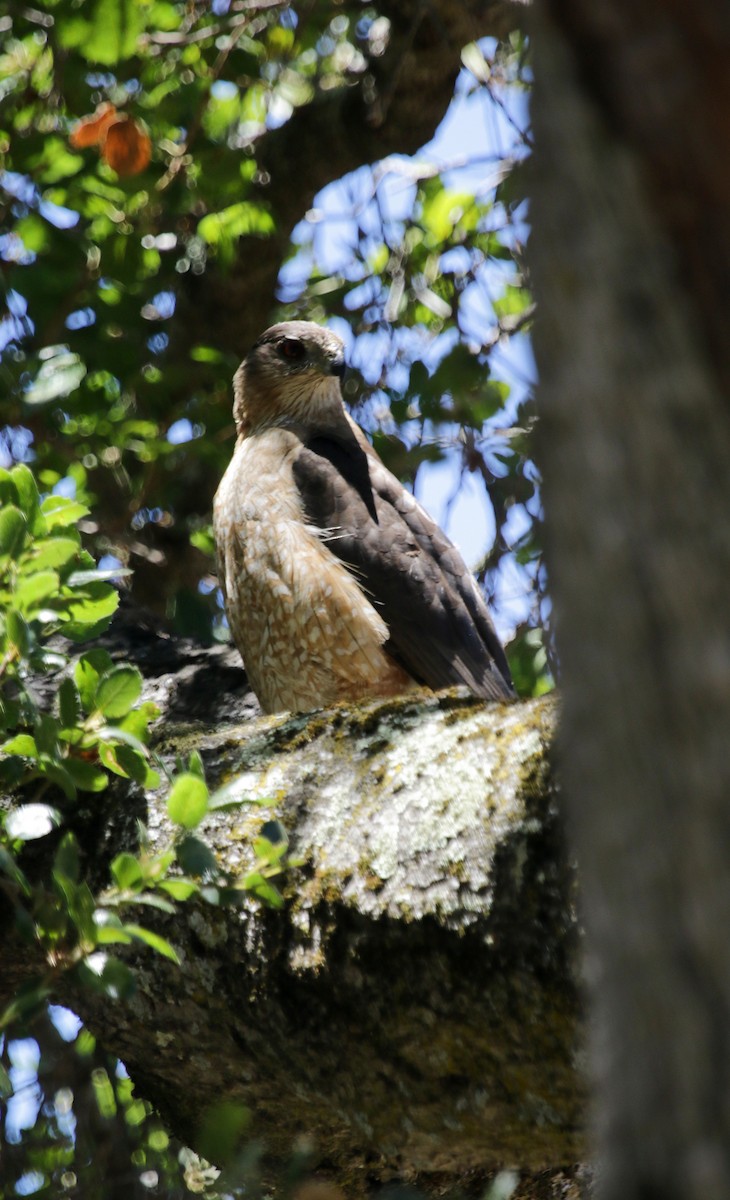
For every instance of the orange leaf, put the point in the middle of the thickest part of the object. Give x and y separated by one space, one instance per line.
126 147
89 131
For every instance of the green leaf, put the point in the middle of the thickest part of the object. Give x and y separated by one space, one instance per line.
133 763
127 873
443 209
263 889
196 858
110 33
9 713
513 301
13 528
8 492
66 889
124 761
206 354
53 552
28 498
28 1002
158 943
66 859
229 796
203 540
53 164
268 852
242 218
195 764
187 803
110 935
87 671
179 889
9 867
33 231
22 744
137 721
150 900
108 759
59 511
275 835
54 771
17 631
81 911
118 691
528 662
35 588
85 775
90 617
114 733
46 734
32 821
69 703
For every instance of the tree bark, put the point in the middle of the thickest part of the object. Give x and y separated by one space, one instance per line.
413 1012
631 261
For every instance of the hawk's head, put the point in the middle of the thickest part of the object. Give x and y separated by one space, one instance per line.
291 375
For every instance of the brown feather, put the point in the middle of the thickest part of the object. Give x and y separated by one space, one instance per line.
337 584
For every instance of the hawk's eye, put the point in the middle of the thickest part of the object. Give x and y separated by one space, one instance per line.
292 349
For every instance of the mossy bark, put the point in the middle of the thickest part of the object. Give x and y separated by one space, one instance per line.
413 1010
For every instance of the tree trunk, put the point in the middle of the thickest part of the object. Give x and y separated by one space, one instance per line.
631 261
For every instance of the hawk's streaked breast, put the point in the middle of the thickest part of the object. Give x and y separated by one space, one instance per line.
307 633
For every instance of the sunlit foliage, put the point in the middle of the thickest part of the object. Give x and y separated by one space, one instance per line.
419 263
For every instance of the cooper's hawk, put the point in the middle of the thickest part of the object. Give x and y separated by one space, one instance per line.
337 584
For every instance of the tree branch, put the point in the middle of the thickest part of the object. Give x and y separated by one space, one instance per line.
413 1010
395 108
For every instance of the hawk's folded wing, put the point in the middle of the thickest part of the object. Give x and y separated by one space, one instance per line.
440 629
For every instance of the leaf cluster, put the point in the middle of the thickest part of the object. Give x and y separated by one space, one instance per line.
95 727
77 1128
96 263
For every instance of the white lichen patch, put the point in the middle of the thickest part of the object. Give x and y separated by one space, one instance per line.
398 808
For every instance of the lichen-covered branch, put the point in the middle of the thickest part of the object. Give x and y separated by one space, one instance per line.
413 1009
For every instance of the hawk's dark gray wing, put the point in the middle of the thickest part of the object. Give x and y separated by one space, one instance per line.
440 630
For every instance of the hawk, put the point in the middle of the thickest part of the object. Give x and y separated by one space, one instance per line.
337 584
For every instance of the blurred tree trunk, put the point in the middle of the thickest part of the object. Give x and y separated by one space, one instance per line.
631 260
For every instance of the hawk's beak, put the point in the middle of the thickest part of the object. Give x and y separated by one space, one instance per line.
338 365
